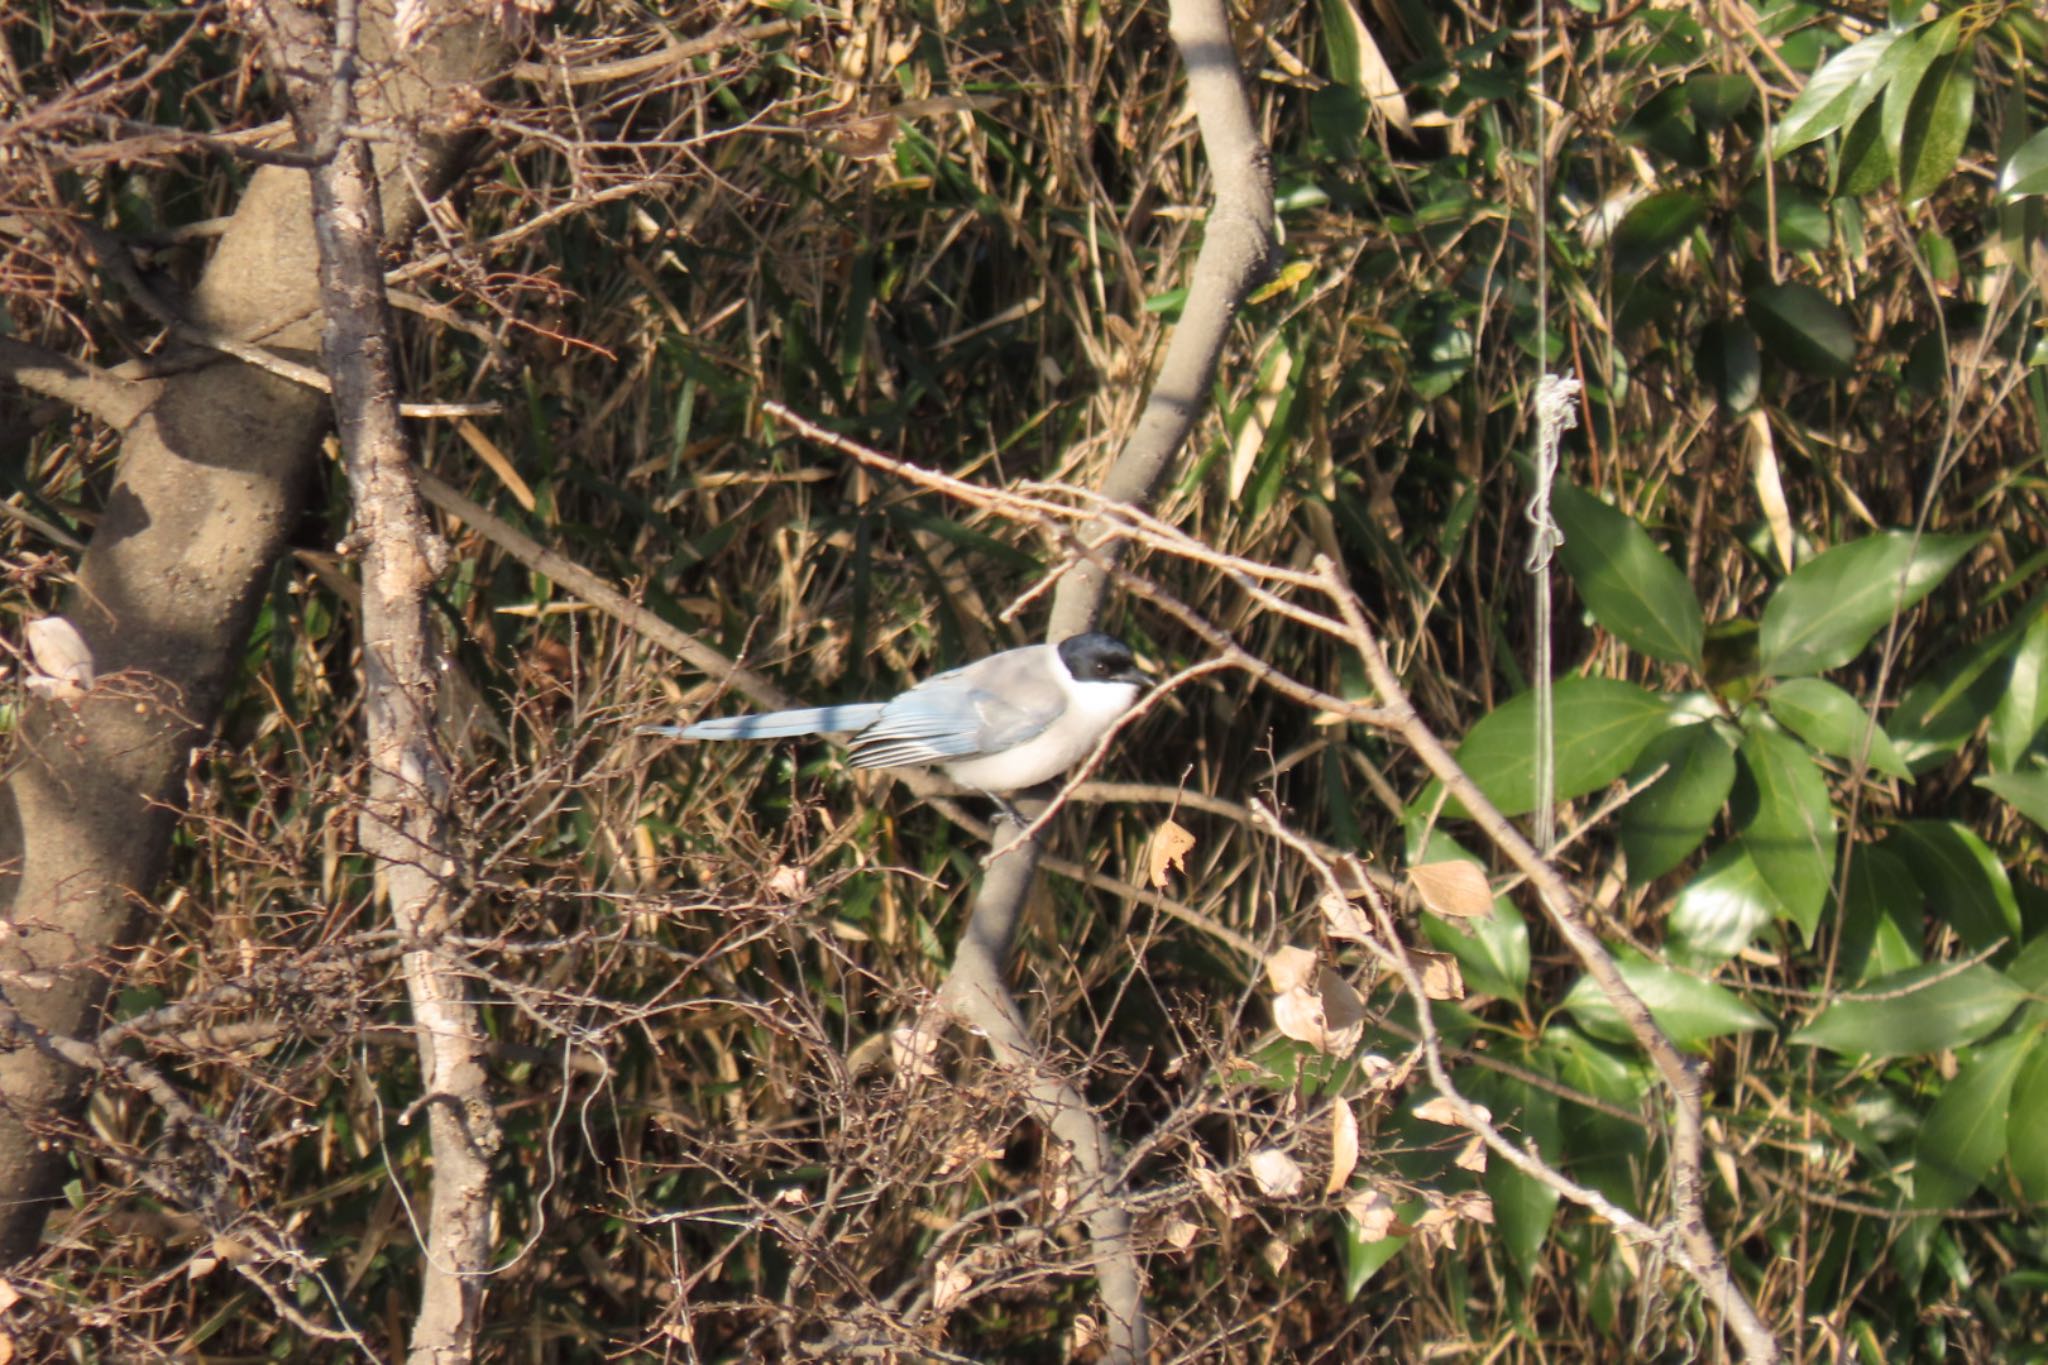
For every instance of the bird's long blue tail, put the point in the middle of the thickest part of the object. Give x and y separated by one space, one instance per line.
813 720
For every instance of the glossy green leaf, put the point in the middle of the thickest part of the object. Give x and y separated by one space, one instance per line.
1727 360
2023 707
1829 719
1628 584
1882 919
1827 610
1667 819
1720 911
1906 71
1690 1010
1864 163
1803 327
1599 1149
2026 171
1523 1207
1964 1134
1937 124
1601 725
1921 1010
1963 879
1828 103
2026 793
1939 712
1788 826
2027 1121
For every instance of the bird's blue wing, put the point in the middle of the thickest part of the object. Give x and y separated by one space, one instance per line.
948 717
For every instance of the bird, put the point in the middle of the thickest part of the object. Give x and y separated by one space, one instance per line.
1000 725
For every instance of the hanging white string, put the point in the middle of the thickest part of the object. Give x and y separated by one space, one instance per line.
1555 414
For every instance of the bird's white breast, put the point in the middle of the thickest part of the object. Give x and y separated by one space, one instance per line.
1091 709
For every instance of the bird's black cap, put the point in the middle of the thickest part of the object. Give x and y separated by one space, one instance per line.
1096 657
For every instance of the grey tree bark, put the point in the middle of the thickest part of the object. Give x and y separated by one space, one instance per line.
214 467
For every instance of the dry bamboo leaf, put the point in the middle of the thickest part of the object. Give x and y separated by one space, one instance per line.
1275 1253
1179 1233
1441 979
1375 83
1770 486
1343 1147
1453 889
1251 437
1277 1174
1167 852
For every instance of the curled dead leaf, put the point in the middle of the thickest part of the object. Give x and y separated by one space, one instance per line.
1442 1109
1343 1147
1342 919
1291 968
1329 1017
62 660
1277 1174
1372 1212
1167 853
1441 978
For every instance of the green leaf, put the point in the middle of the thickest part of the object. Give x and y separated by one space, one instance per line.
1720 910
1829 719
1942 710
1907 72
1690 1010
1863 164
1827 609
1937 124
1628 584
2025 172
2026 793
1804 328
1881 916
1898 1016
1653 226
2027 1120
2023 708
1964 1135
1727 361
1523 1207
1790 830
1963 880
1601 725
1717 98
1667 819
1828 102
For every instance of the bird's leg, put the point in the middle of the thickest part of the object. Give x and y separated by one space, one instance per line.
1015 816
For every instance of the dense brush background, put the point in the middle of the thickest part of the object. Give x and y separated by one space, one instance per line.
693 956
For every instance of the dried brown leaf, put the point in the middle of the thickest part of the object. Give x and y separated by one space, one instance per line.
1454 889
1167 852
